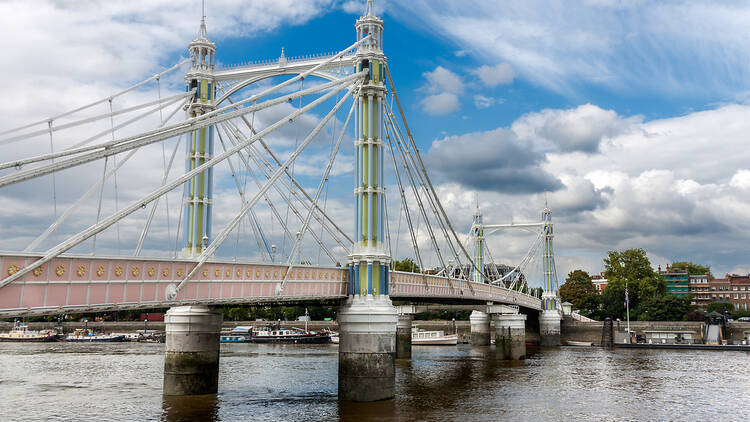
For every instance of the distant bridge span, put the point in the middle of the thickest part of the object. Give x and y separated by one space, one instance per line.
74 284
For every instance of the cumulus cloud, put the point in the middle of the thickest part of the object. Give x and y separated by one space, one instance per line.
579 129
439 104
444 87
500 74
442 79
494 160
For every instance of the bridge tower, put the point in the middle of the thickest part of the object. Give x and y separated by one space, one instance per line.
480 321
368 319
549 318
199 145
191 357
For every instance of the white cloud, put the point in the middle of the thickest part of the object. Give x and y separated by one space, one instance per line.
443 80
669 47
579 129
440 104
500 74
480 101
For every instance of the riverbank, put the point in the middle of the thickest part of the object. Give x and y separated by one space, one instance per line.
572 330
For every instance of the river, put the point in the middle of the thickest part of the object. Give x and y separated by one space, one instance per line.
64 382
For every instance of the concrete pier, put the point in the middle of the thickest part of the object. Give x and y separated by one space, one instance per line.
367 348
403 336
480 328
191 358
549 328
510 336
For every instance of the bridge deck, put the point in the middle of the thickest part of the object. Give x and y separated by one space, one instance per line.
90 284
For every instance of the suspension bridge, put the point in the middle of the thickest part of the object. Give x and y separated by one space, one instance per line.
232 116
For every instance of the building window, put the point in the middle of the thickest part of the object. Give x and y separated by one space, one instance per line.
736 296
744 296
735 288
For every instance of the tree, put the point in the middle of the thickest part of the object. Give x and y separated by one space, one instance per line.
633 268
719 307
693 268
580 291
407 265
664 308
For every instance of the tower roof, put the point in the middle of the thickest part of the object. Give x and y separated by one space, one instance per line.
202 34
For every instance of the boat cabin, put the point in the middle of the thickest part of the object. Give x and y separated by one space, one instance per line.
669 337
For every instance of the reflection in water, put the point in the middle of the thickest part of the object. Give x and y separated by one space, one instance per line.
299 383
190 408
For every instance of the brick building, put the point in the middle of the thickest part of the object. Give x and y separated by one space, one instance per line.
600 282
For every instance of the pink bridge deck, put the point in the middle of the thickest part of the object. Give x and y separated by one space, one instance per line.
89 284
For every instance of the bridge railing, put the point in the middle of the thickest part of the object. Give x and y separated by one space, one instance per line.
415 285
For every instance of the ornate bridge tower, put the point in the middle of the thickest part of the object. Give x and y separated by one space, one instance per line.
199 145
368 319
549 318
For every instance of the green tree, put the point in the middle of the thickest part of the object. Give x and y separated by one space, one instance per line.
719 307
633 268
407 265
580 291
693 268
664 308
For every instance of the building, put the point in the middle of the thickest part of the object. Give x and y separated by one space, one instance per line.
678 281
739 295
600 282
700 290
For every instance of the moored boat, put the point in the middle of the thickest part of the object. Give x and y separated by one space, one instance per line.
579 343
88 335
21 332
433 338
287 335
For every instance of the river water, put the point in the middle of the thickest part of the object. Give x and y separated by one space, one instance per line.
98 382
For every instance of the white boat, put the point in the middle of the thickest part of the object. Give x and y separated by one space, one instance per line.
334 337
88 335
433 338
21 332
579 343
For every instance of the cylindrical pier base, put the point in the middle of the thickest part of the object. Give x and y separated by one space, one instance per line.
480 328
367 349
510 336
403 336
191 358
549 328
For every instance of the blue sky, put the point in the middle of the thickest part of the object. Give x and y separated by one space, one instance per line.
629 117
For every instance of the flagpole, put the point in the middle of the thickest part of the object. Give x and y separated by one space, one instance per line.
627 307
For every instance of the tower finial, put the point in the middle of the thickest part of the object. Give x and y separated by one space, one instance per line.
370 9
202 32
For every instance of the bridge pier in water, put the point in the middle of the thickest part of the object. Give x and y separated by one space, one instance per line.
403 336
367 348
510 336
480 328
549 328
191 356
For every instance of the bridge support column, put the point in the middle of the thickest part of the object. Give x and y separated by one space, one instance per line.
191 358
480 328
549 328
403 336
510 336
367 348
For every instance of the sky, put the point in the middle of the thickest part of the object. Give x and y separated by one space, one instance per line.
627 117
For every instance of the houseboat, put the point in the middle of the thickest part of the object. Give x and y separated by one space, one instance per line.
432 338
21 332
87 335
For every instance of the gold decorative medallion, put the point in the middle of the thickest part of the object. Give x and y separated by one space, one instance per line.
165 272
38 271
81 271
180 272
100 270
228 273
135 271
249 273
205 272
239 273
151 271
118 270
217 272
60 270
13 269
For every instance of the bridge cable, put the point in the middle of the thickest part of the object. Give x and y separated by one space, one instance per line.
87 233
258 159
323 182
150 137
208 252
125 91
